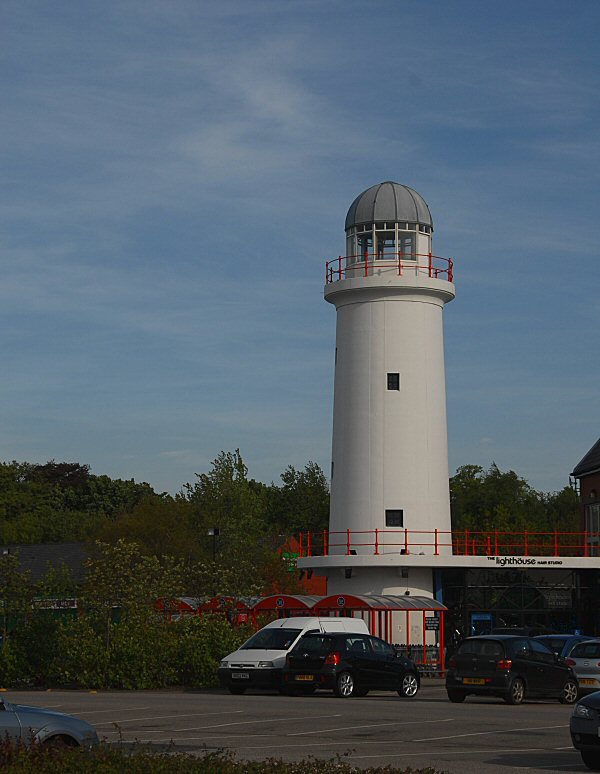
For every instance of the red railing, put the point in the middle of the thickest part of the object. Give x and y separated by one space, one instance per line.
461 543
365 265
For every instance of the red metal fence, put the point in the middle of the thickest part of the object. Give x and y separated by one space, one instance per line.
462 543
365 265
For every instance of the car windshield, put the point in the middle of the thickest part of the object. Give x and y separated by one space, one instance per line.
271 639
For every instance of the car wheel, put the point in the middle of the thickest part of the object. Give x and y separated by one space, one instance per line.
410 686
60 742
344 685
516 691
457 696
569 692
591 759
236 690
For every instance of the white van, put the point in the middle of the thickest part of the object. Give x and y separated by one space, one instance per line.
259 661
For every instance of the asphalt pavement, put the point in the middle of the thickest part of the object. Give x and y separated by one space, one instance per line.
481 736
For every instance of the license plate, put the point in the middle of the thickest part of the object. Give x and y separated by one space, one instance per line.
473 681
305 678
240 675
586 681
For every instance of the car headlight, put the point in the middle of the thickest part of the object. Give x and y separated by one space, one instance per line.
581 711
223 664
265 665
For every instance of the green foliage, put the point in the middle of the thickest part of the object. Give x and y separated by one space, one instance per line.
239 507
79 655
40 759
32 648
13 665
227 499
121 575
160 525
302 503
483 500
202 643
59 501
15 592
57 583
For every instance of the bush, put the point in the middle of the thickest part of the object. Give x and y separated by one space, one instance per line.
13 673
203 642
42 760
80 657
137 652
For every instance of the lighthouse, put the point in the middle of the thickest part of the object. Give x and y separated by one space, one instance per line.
389 467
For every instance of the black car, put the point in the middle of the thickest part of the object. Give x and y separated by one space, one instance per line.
350 664
585 729
511 667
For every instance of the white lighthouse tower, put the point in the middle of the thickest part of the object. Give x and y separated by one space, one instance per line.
389 470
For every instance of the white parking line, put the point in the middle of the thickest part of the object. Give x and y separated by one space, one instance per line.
162 717
437 753
484 733
238 723
121 709
372 725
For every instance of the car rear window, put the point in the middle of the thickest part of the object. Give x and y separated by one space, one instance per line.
487 648
314 644
586 650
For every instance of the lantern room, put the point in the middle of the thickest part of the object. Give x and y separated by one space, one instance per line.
388 221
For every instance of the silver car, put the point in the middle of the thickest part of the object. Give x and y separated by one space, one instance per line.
35 724
584 660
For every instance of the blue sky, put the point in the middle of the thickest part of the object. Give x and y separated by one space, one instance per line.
176 174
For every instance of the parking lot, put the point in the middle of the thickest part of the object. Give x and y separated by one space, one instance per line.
481 735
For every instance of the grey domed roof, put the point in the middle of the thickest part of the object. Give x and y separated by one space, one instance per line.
391 202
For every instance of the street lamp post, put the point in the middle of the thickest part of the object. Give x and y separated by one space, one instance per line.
214 532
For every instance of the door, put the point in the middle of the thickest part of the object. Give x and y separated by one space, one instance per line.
9 722
362 660
524 664
389 675
550 676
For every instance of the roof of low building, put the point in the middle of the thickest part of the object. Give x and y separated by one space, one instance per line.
589 463
38 557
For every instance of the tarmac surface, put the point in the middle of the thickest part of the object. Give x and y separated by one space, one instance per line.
481 736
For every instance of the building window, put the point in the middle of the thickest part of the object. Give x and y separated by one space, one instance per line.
592 522
406 249
393 381
394 518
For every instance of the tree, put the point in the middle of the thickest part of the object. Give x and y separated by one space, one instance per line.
15 593
159 525
122 576
483 500
225 499
302 503
60 501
